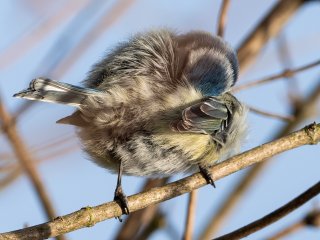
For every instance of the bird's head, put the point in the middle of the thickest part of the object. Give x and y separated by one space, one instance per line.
209 63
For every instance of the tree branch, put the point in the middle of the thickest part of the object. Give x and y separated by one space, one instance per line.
266 29
16 168
89 216
223 17
291 229
272 115
156 223
191 215
285 74
274 216
312 219
9 178
284 55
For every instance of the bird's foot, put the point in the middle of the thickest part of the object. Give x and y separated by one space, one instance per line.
122 200
207 175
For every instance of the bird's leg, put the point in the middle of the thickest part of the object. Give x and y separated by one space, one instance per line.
119 196
207 175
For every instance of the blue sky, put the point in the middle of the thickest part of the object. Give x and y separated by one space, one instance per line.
73 182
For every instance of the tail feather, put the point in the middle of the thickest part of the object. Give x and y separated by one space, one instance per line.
44 89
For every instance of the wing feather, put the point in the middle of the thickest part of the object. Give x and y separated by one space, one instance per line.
207 117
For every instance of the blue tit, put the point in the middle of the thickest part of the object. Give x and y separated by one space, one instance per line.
156 105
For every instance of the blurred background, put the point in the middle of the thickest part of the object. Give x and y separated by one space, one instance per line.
62 39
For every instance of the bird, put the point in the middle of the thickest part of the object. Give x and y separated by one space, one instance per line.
157 104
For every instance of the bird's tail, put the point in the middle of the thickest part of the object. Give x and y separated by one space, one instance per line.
47 90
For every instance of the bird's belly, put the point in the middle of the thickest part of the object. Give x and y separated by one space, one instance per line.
162 154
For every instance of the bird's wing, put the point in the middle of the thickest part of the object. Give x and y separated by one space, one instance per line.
210 116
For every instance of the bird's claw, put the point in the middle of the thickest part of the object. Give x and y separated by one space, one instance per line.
207 175
122 200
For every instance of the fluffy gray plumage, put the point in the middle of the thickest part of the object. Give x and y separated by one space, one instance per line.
158 102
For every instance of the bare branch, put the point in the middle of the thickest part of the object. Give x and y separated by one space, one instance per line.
15 168
52 155
272 115
60 141
284 55
157 222
191 215
274 216
89 216
223 17
269 27
312 219
9 178
289 230
285 74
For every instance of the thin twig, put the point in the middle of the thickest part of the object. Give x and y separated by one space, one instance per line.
289 230
9 178
157 222
274 216
272 115
269 27
54 142
301 113
285 58
26 162
191 215
89 216
16 169
42 147
49 156
223 17
284 74
312 219
43 150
